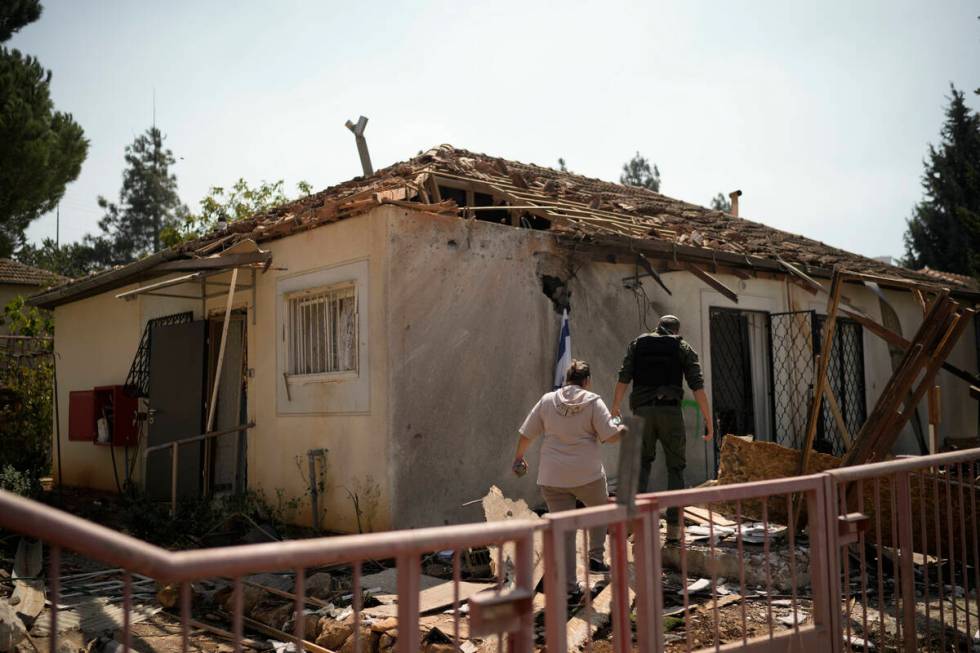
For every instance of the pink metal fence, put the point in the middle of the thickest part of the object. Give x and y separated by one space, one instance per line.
882 555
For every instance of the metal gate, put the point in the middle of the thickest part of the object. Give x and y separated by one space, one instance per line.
795 340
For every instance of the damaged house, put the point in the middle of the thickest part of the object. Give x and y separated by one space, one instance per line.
386 336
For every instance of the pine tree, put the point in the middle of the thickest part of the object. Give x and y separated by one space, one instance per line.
944 230
148 202
637 172
721 203
41 150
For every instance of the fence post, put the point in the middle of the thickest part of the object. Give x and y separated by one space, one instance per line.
646 554
555 587
821 516
523 640
904 506
622 633
409 579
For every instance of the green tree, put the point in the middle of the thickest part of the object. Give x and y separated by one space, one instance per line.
944 230
15 14
637 172
228 205
148 203
41 150
70 260
26 383
721 203
561 164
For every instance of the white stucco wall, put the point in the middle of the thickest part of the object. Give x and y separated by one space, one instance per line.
97 339
460 342
473 339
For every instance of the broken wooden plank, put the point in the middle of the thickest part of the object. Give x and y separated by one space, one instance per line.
258 645
722 601
838 417
703 516
645 264
312 600
585 622
829 328
433 598
283 636
899 341
712 281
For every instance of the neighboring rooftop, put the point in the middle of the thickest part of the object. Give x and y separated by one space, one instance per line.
951 277
451 181
16 273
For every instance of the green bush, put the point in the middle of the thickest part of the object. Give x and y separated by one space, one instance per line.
26 381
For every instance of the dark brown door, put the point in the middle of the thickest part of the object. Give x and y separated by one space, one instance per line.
178 358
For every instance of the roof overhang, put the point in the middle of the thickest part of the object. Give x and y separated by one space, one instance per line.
242 254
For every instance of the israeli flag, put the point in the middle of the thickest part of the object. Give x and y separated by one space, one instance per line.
564 351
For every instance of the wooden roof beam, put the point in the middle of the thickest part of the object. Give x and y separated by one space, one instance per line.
712 281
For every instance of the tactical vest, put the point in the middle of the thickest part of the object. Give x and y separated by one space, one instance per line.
657 361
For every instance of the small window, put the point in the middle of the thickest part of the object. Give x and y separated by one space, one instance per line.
321 328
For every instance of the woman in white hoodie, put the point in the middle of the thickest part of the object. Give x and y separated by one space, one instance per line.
574 422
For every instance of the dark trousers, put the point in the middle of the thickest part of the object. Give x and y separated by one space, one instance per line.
664 424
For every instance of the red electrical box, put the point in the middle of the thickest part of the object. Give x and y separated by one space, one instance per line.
119 410
81 415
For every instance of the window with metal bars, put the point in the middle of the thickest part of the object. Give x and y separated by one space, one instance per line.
321 330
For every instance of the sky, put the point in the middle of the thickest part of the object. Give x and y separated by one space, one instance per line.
820 112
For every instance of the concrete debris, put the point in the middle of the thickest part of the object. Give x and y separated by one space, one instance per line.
723 560
320 584
756 532
12 629
859 642
697 587
714 533
789 620
497 507
93 616
28 596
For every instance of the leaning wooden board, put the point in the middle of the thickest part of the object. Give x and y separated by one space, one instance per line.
434 598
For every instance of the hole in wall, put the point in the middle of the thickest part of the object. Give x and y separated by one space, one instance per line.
557 290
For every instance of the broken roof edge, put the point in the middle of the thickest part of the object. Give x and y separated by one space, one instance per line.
662 250
101 282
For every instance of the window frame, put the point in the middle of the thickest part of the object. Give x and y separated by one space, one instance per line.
321 377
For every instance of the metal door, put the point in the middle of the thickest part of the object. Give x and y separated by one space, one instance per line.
178 358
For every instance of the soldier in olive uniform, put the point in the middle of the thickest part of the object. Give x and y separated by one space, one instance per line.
655 364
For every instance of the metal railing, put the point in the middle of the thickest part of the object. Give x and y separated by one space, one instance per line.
882 555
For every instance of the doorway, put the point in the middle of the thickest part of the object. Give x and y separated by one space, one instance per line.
740 373
225 455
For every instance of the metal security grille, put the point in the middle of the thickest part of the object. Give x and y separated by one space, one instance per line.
138 379
795 340
846 377
323 330
731 374
791 342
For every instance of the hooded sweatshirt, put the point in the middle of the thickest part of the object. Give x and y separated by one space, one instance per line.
573 422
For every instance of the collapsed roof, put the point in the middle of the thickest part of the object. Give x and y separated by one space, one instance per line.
454 182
